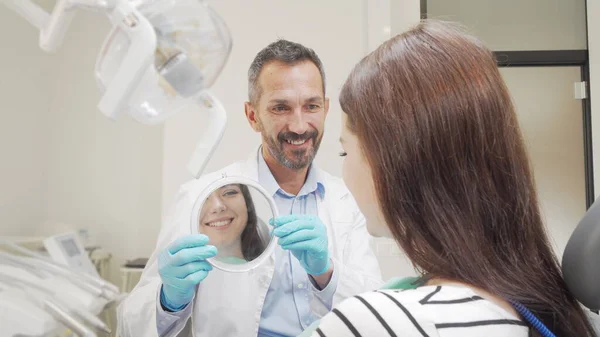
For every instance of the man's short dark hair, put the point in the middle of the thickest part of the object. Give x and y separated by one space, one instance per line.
284 51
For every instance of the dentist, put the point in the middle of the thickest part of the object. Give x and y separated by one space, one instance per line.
323 255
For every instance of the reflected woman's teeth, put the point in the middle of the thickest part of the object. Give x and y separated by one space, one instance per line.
219 223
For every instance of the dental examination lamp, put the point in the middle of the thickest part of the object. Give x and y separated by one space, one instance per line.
160 57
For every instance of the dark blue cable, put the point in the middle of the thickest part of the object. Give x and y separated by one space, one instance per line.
534 321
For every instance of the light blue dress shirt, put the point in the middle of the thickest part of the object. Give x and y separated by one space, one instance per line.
287 310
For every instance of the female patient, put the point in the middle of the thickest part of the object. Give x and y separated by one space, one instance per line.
430 121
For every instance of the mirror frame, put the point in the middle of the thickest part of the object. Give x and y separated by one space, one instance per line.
195 220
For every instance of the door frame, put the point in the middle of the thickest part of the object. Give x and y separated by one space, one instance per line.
561 58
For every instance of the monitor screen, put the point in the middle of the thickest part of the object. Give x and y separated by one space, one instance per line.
70 247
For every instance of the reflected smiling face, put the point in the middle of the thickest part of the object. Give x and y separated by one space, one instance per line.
223 218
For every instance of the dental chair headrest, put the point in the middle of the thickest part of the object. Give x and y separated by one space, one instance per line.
581 259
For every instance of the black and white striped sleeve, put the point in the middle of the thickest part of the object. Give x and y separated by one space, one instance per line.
375 314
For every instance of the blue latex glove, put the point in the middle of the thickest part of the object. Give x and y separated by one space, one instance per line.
306 237
182 266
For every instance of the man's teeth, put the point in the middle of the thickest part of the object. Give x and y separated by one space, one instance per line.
219 223
296 142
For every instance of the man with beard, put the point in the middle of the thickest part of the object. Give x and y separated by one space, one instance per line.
322 257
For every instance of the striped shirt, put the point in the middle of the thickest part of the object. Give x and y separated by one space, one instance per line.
444 311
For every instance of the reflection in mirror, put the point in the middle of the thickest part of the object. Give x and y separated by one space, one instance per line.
235 217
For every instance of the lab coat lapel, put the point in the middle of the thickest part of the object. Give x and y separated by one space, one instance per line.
324 207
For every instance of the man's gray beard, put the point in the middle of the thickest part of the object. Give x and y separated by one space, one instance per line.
303 159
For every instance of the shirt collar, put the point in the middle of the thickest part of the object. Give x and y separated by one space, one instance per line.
313 183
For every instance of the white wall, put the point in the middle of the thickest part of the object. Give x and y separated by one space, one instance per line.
24 94
405 13
593 12
64 165
102 175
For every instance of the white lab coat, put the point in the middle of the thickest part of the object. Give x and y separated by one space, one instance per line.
230 304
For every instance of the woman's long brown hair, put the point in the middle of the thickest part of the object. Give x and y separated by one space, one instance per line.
439 130
252 244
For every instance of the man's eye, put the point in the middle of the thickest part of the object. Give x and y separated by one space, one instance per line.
280 108
343 154
313 107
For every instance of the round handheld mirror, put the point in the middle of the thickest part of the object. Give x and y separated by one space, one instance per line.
234 213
